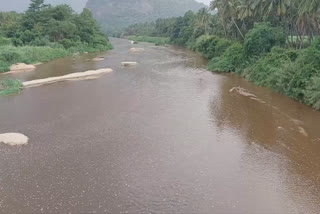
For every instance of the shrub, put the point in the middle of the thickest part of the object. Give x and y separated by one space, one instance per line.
232 60
305 68
27 54
211 46
10 86
262 38
5 41
269 70
313 93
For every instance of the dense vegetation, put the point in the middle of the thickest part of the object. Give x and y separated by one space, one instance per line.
45 32
272 43
115 15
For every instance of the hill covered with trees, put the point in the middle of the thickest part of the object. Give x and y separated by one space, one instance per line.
115 15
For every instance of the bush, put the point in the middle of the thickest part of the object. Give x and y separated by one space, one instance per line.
262 38
10 86
27 54
313 93
305 68
211 46
232 60
5 41
269 70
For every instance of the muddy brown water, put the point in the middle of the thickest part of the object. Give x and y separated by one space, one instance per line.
165 136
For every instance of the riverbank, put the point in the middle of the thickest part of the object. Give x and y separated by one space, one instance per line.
267 63
159 41
10 55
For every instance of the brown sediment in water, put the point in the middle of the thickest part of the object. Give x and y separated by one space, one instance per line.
14 139
92 74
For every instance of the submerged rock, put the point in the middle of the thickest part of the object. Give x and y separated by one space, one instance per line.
14 139
128 63
134 50
92 74
98 59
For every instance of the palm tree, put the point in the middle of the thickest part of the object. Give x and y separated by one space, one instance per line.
203 19
227 10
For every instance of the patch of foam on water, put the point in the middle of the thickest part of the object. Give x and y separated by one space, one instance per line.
14 139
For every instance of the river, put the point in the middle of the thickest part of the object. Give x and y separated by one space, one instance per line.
165 136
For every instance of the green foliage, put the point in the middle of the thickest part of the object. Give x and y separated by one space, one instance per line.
43 24
5 41
211 46
305 68
155 40
313 93
10 86
44 33
232 60
27 54
268 70
262 38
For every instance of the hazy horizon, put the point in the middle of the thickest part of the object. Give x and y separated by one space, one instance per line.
77 5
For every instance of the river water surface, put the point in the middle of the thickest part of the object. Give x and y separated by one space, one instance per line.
165 136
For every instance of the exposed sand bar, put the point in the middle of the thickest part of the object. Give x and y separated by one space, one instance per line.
92 74
14 139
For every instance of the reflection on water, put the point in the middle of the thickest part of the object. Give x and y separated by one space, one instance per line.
164 136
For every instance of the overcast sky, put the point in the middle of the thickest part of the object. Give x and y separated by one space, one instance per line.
207 2
21 5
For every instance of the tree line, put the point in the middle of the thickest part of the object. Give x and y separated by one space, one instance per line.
45 32
43 24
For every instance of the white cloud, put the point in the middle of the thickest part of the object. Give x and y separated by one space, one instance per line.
207 2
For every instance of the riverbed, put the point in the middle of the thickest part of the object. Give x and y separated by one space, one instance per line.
162 136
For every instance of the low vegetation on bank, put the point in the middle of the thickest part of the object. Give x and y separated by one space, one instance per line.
272 48
159 41
10 86
45 32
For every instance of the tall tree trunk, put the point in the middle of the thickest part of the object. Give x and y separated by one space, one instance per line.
237 28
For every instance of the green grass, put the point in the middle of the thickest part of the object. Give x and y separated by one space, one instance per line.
156 40
10 54
27 54
10 86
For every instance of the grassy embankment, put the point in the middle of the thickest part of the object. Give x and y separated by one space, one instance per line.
159 41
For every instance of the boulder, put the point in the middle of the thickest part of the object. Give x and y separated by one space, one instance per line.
14 139
98 59
134 50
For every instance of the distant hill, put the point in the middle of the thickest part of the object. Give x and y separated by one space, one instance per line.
115 15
